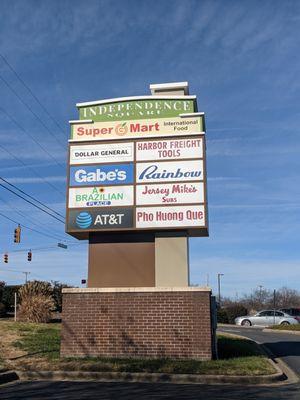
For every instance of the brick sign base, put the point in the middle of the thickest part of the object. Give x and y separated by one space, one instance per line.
137 322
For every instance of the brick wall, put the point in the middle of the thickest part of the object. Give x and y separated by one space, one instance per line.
146 323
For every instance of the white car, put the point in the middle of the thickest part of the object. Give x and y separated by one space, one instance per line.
267 318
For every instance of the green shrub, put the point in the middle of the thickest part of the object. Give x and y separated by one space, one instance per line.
222 317
234 311
36 302
2 310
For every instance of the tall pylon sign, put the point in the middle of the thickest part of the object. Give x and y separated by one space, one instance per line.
137 192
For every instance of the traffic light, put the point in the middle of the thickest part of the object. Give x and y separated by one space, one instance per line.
17 235
6 258
29 255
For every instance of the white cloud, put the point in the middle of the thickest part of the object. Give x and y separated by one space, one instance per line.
33 179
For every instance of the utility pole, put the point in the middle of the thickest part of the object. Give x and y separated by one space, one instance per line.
26 274
219 288
274 305
260 294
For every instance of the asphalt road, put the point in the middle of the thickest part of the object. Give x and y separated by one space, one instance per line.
143 391
283 345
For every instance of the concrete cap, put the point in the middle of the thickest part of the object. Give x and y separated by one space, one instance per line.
158 87
137 289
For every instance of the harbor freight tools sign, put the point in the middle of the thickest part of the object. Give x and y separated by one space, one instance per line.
169 149
137 166
136 129
146 108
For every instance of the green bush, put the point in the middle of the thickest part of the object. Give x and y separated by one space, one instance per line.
57 294
222 317
2 310
234 311
8 293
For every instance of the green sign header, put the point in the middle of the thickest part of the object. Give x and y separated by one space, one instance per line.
137 109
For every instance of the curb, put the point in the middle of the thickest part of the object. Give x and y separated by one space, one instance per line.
281 331
151 377
8 376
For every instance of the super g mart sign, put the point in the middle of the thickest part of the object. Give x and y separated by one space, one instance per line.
155 180
89 131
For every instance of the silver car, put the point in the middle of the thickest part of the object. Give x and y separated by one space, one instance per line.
266 318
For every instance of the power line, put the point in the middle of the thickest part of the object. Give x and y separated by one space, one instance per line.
31 197
28 166
25 216
27 227
31 110
32 137
32 93
34 249
43 248
30 202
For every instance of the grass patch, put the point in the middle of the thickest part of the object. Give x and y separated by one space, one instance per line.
286 327
39 344
35 339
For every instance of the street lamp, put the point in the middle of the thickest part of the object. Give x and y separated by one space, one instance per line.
219 288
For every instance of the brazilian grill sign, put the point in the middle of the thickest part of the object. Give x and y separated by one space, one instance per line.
137 164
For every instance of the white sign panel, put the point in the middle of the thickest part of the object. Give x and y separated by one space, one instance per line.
101 153
169 149
136 129
107 196
169 171
174 216
170 193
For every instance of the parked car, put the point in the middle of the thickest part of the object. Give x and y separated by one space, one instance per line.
293 312
266 318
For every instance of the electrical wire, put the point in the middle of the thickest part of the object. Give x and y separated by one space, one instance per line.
31 110
33 170
30 220
30 202
42 248
31 197
32 137
32 93
27 227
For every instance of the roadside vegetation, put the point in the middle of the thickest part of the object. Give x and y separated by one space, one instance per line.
257 300
30 346
295 328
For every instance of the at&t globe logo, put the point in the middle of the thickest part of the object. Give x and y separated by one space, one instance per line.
84 220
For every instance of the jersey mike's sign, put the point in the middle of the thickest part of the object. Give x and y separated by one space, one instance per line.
170 193
136 129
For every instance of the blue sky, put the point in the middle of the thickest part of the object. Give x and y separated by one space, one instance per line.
240 58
